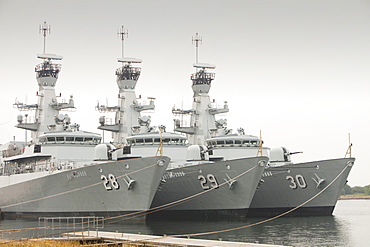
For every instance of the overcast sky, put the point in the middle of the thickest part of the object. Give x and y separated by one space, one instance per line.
296 69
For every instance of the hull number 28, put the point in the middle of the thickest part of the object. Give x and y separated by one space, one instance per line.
208 181
110 182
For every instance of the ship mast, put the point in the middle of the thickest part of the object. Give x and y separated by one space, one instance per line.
128 120
45 29
121 34
47 117
196 40
202 114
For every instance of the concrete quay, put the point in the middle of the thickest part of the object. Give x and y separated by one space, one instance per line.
151 240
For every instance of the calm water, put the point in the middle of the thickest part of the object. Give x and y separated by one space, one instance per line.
349 226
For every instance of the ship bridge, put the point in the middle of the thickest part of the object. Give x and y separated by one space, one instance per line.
70 137
155 138
234 141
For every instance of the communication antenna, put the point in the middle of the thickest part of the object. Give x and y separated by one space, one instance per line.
121 34
44 29
196 40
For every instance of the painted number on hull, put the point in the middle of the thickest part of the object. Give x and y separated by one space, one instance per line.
110 182
297 181
210 179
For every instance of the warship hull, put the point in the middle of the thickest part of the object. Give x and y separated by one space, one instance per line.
308 187
211 189
104 189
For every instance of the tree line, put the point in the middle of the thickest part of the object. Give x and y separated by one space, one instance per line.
348 190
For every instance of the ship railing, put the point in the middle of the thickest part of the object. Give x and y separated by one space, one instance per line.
60 225
42 165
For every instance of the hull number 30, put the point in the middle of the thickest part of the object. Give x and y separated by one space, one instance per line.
297 181
110 182
208 181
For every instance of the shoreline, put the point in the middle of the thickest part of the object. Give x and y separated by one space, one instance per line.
353 197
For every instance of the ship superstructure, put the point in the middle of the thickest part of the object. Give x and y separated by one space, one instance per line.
128 119
284 185
190 171
53 136
63 171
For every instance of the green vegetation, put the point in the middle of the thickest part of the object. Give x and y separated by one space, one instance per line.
348 190
356 191
38 243
59 243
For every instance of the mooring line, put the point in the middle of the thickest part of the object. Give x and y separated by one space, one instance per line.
146 212
180 201
212 232
270 219
74 190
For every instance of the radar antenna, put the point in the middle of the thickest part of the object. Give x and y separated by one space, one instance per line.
44 29
196 40
121 34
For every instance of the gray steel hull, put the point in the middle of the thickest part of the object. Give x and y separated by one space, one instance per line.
196 183
88 190
289 186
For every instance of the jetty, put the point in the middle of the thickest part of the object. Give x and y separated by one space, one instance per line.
152 240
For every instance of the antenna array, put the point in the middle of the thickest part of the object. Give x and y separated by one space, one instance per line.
121 33
44 29
196 40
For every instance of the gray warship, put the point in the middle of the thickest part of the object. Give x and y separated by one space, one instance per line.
193 183
63 171
310 188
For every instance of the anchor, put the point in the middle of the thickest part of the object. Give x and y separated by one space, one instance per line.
319 181
130 182
230 181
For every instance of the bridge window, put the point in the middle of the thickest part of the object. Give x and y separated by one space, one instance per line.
60 138
51 139
88 139
139 140
70 138
79 139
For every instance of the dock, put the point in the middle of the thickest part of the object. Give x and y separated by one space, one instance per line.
152 240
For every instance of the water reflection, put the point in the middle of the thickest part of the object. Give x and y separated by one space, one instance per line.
299 231
348 227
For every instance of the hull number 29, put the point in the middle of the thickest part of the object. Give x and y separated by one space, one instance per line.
110 182
297 181
208 181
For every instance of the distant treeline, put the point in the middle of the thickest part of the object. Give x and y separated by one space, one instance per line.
348 190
